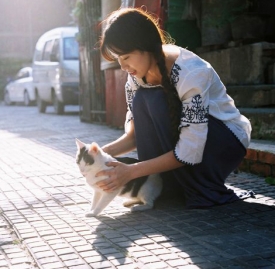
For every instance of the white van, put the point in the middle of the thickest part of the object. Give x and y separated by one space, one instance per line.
56 69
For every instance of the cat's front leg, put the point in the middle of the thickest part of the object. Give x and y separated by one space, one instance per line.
96 198
104 201
90 214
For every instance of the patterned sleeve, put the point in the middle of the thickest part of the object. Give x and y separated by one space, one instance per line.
193 91
130 89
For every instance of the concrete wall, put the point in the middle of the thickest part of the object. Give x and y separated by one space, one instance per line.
22 22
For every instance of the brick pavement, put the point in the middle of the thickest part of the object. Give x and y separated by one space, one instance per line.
43 199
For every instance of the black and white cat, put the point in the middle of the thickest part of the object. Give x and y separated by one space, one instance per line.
141 192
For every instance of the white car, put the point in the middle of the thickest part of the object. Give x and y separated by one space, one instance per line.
20 89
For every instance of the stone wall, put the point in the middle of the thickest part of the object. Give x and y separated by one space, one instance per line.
244 65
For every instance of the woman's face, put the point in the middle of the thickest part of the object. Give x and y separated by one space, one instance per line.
136 63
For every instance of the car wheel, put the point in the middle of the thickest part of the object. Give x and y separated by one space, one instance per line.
40 104
58 106
27 101
7 99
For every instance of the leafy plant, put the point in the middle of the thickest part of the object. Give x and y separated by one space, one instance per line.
270 180
78 11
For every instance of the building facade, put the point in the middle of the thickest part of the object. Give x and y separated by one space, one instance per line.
22 22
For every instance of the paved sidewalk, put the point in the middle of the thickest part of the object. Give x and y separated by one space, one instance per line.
43 199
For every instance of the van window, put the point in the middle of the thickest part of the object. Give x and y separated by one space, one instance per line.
70 48
38 51
47 50
55 51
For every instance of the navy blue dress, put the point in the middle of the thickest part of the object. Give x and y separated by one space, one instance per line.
203 184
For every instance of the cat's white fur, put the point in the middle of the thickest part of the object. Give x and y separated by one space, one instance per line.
147 194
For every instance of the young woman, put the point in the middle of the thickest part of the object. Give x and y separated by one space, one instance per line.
179 117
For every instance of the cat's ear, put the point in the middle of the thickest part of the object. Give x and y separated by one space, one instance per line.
94 148
79 144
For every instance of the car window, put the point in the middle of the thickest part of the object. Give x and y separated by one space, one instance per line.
22 74
70 48
47 50
18 75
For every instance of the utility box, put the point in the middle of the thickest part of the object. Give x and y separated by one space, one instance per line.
115 80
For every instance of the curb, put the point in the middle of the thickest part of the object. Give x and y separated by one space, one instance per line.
260 158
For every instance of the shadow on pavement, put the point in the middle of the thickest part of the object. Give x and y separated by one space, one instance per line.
238 234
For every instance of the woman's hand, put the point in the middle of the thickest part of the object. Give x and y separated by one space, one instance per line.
117 177
122 173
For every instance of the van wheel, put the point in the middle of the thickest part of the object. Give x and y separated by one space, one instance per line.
27 101
40 104
58 106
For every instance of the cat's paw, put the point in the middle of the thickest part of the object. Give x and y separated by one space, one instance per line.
128 203
142 207
131 202
90 214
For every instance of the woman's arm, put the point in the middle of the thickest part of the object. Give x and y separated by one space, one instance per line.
121 173
123 144
162 163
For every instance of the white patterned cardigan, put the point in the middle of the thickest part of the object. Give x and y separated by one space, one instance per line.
201 92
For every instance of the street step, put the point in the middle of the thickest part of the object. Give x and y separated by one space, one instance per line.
260 158
252 95
256 102
262 121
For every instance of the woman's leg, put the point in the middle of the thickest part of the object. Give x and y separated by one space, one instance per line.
203 183
153 132
152 123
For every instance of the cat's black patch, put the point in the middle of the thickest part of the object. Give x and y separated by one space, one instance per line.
134 185
126 160
84 154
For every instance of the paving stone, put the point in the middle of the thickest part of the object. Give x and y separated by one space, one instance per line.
149 259
94 259
128 266
64 251
54 265
47 199
82 266
43 254
102 265
47 260
83 248
74 262
3 262
160 251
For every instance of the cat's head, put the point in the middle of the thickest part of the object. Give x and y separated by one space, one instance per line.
87 155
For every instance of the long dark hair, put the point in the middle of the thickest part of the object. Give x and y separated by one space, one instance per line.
130 29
